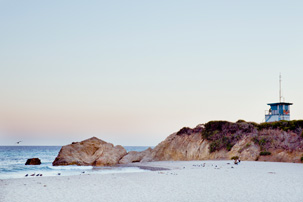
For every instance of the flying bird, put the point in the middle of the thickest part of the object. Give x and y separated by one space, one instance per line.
18 142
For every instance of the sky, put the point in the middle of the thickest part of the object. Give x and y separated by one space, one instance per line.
133 72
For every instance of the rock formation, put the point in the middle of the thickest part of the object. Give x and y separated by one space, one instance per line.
134 156
281 141
92 151
33 161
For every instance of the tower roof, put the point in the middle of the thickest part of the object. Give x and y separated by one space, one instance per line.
280 103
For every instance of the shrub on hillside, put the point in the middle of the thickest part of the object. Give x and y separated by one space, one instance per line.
184 130
264 140
189 131
235 158
265 153
214 146
282 125
224 134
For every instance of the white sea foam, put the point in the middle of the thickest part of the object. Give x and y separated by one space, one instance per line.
72 167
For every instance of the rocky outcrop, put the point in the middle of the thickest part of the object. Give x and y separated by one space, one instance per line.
194 147
92 151
246 149
33 161
134 156
180 148
224 140
278 141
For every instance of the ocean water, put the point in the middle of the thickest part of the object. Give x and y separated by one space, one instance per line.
13 158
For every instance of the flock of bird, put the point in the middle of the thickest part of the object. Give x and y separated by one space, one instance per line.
37 175
40 175
33 175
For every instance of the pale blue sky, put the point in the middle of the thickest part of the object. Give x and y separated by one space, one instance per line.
133 72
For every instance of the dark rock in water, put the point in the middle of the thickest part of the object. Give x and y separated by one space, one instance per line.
33 161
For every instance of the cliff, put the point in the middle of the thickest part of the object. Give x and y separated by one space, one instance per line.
279 141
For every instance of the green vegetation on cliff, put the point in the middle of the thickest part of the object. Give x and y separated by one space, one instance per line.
224 134
282 125
265 153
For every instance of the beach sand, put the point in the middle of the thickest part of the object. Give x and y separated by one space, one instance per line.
184 181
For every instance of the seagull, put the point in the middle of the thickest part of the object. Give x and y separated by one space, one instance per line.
18 142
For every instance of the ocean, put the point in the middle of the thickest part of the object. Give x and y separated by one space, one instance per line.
13 158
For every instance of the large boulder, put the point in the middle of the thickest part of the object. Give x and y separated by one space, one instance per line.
134 156
92 151
33 161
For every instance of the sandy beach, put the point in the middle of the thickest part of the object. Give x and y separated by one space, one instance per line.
182 181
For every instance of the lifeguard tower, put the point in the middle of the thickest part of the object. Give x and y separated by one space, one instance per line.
278 111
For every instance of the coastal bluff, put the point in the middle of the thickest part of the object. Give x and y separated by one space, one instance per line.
216 140
222 140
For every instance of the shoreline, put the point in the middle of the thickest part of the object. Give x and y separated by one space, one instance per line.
142 166
218 180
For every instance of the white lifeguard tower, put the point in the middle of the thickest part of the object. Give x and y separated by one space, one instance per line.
278 111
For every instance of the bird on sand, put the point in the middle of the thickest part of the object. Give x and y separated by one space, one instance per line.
26 175
33 174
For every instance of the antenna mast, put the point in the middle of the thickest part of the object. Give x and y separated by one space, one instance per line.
280 80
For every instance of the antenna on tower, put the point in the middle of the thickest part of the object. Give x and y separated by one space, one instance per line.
280 94
280 110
